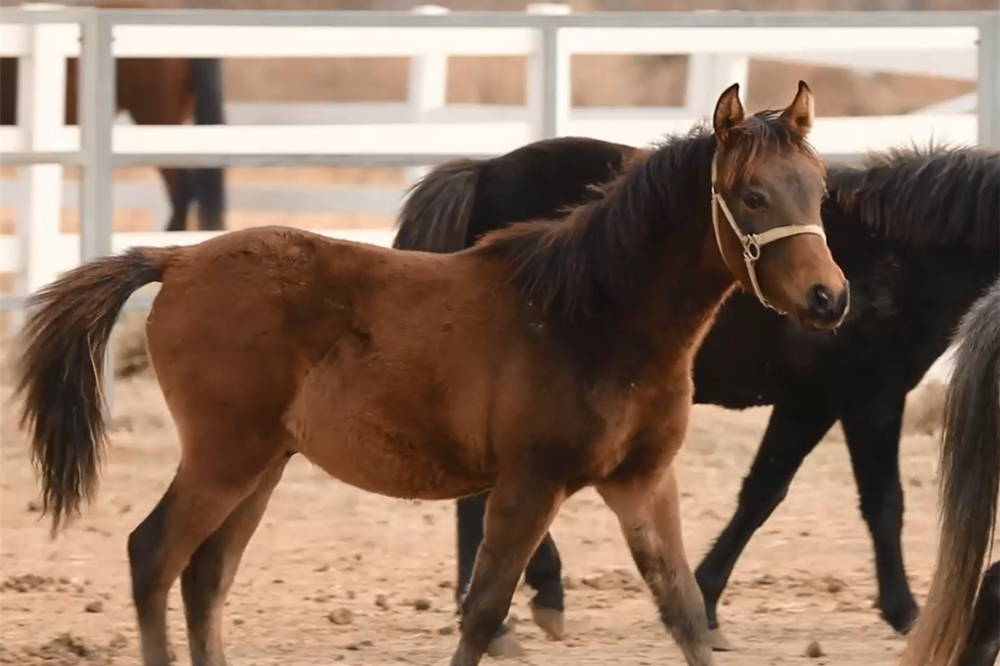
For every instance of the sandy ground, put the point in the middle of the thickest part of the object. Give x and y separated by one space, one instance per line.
325 546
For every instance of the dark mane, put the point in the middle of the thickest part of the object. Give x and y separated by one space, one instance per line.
928 196
597 253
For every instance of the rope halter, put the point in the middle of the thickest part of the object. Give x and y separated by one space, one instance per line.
752 243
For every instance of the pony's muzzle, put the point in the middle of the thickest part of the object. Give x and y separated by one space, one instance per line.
824 309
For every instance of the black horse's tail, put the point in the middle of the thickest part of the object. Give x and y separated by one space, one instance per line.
207 184
970 473
435 217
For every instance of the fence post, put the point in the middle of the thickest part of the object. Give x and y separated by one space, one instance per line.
41 108
988 84
549 97
708 74
428 87
97 116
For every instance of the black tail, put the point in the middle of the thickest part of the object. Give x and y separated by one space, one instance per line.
970 473
435 217
64 341
208 184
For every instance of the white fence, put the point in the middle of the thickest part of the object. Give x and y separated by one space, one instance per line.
962 45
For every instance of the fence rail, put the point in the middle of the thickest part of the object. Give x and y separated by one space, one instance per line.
960 44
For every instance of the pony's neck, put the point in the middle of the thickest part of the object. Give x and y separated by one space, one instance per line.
687 287
680 274
675 285
636 264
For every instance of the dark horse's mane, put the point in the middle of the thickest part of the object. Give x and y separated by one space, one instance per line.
597 251
925 196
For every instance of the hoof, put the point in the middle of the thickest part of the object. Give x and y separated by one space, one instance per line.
506 645
902 623
550 621
718 641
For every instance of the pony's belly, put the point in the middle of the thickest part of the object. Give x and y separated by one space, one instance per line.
405 477
398 464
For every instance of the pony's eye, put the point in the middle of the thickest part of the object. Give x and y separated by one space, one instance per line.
754 201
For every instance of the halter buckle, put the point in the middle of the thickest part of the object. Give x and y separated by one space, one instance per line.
751 249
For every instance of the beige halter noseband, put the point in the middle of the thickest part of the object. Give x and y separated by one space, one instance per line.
752 243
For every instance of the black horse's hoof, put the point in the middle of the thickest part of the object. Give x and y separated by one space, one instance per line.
718 641
549 620
902 621
505 645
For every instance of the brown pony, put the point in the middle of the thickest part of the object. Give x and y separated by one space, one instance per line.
154 91
551 357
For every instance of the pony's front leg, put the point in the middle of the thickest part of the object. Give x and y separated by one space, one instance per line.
518 513
648 510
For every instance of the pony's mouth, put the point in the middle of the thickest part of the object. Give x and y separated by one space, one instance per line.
815 325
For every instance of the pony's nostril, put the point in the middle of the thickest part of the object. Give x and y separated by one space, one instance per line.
843 302
820 301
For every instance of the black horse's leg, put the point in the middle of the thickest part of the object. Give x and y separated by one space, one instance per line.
792 433
983 644
544 575
872 428
470 513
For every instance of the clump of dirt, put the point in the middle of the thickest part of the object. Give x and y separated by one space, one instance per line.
615 579
34 583
63 650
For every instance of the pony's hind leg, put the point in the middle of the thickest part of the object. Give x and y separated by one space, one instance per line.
648 511
517 516
209 574
200 497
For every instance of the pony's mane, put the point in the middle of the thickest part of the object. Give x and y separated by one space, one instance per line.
928 196
599 250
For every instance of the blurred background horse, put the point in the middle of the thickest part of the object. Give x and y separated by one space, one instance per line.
154 91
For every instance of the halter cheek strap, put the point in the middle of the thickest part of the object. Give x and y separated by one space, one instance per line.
752 243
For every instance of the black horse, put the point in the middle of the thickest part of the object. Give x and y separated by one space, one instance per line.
917 233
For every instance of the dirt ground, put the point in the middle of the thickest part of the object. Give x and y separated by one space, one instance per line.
325 547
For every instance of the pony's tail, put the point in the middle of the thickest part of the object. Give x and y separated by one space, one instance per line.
970 473
208 183
435 217
64 341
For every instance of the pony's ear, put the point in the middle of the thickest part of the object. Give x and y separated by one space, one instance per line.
728 112
801 113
